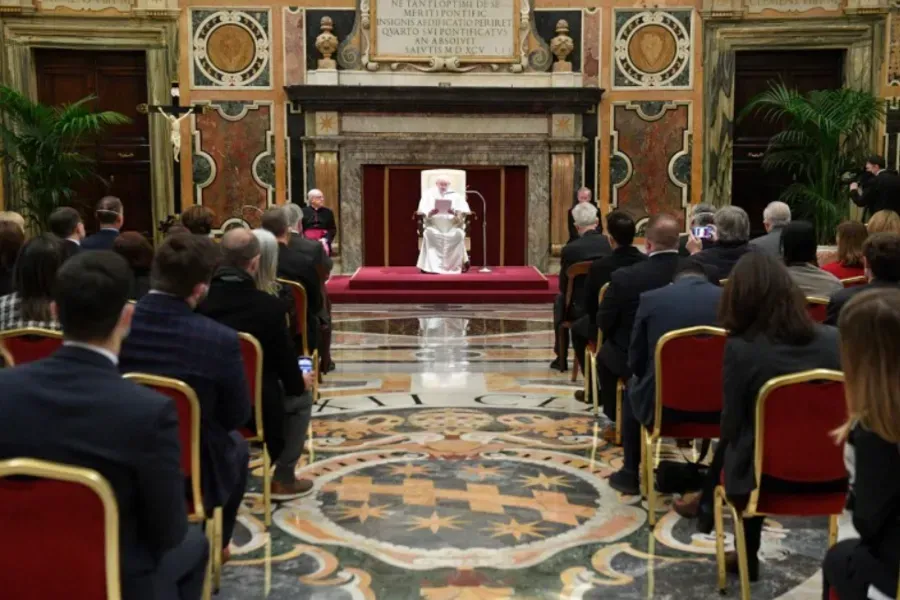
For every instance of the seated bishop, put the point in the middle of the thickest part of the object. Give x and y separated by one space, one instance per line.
444 211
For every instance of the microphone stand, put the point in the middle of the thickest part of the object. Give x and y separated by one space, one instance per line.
484 268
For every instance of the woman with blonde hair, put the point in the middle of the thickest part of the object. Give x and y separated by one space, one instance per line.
850 238
884 220
870 349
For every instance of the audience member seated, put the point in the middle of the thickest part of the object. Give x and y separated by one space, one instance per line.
111 217
882 221
775 217
690 301
266 279
235 301
34 276
702 215
8 216
138 252
168 338
621 237
870 349
198 219
75 408
731 242
850 238
770 333
617 312
66 224
294 266
799 247
175 229
12 238
881 259
323 264
590 245
582 196
318 219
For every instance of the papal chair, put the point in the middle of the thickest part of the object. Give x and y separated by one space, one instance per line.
817 308
187 406
573 272
252 355
457 178
30 343
298 293
855 281
53 510
688 366
804 457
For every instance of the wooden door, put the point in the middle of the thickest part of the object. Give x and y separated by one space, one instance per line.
122 153
752 187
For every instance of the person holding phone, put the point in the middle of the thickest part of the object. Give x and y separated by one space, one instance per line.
731 235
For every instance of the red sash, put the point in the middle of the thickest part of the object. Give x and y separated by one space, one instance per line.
314 234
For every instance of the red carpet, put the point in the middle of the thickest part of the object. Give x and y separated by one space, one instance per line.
407 285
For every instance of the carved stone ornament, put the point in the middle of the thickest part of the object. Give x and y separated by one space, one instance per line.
327 44
561 46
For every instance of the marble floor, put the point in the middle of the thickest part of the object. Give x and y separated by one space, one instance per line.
452 464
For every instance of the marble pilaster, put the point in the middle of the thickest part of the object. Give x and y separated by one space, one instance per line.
562 191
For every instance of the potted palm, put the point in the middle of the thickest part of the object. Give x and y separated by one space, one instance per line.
40 146
826 134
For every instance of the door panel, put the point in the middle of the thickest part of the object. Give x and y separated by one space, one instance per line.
122 153
752 186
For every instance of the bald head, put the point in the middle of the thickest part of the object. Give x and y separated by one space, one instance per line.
240 249
662 233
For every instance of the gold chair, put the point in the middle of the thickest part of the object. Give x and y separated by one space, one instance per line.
252 355
6 359
298 292
29 344
573 272
188 408
818 308
855 281
69 507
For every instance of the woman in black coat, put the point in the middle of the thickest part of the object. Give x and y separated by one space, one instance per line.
870 349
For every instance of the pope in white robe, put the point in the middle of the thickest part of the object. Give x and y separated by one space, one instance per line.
443 239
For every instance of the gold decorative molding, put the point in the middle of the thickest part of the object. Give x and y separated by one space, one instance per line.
166 9
562 191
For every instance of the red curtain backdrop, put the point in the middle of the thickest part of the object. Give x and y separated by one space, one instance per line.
507 216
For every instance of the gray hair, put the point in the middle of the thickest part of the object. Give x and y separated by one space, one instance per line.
699 214
703 219
585 215
314 192
294 214
732 224
777 213
266 277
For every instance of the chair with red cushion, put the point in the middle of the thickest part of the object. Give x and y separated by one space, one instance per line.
49 509
6 359
252 354
855 281
30 344
572 273
817 307
688 379
804 456
188 408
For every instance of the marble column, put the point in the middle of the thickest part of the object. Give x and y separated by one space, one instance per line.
326 171
562 191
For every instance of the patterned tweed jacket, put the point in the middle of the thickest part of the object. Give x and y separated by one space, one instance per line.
11 316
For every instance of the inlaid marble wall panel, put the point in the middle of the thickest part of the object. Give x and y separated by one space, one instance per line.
294 45
233 160
652 48
590 54
650 163
230 48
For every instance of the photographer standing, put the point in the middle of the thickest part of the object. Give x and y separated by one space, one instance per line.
881 192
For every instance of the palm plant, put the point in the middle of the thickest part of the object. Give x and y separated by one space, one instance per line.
40 145
827 133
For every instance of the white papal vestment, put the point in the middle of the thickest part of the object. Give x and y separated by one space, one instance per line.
443 239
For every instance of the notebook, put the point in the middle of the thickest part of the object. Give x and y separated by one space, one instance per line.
443 206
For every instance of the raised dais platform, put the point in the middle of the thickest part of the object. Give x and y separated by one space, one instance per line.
407 285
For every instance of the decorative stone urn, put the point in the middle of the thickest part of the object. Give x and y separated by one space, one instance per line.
561 46
326 44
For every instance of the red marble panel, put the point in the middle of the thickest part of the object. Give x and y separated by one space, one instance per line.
233 146
294 47
590 42
650 145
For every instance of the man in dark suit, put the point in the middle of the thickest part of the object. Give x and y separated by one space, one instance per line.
75 408
690 301
318 219
168 338
297 267
582 197
66 224
111 217
881 257
880 192
590 245
619 308
732 239
235 301
621 229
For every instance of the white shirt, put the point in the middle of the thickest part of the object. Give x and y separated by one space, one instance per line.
652 254
102 351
